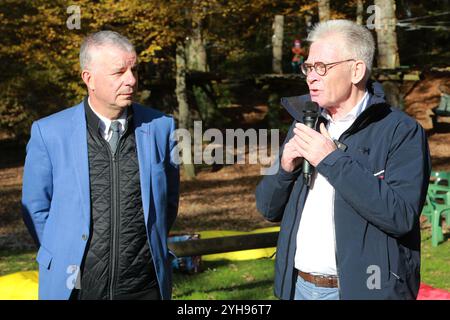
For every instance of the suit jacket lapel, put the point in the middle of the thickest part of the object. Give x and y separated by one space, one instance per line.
80 159
143 152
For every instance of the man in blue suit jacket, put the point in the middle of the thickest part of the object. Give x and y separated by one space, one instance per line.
101 186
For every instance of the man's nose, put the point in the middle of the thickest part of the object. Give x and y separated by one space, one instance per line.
312 76
130 78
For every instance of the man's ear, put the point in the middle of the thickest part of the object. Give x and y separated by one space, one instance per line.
88 79
359 70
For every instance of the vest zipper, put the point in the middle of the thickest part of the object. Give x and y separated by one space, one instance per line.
115 221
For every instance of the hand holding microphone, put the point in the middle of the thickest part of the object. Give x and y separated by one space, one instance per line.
292 155
310 114
307 143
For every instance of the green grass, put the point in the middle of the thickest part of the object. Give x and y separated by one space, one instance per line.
239 280
254 279
435 267
251 279
16 261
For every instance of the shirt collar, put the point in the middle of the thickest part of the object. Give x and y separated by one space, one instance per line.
352 114
104 124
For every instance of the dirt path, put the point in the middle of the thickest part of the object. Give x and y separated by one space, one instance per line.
418 104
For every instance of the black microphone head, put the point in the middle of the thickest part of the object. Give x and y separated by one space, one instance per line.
311 109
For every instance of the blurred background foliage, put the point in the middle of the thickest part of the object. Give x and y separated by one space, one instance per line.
39 53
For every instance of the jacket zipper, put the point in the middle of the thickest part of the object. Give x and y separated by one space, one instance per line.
334 225
114 221
353 127
335 246
290 236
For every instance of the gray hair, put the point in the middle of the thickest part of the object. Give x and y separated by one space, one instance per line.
358 41
102 38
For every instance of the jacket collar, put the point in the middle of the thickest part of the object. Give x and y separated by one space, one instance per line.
93 121
354 112
376 106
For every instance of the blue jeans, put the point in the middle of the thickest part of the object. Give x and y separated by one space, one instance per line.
308 291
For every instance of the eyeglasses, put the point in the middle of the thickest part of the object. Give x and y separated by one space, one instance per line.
320 67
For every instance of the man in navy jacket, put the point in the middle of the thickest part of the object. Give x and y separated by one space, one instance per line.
354 232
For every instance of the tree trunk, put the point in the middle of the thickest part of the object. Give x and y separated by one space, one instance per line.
277 44
385 22
197 58
197 61
324 10
359 11
183 107
386 35
308 22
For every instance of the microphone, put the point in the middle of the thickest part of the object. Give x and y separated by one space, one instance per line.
310 115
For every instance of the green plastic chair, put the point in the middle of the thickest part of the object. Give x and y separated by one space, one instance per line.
440 177
428 208
438 206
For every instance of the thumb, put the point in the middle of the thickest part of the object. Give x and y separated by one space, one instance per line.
324 131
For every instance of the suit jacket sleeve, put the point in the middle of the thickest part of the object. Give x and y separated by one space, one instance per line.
173 180
37 186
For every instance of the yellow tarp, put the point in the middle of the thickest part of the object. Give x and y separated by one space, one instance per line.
19 286
238 255
24 285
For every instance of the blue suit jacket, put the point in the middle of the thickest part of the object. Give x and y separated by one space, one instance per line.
56 194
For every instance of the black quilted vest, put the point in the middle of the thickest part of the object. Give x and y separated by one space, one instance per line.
117 262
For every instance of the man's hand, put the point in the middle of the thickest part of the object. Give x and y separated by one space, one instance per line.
312 145
291 157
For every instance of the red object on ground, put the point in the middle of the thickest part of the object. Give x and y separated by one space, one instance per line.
427 292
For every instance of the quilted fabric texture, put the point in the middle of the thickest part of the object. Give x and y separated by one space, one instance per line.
117 260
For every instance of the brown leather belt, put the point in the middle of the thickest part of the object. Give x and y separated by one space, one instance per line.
320 281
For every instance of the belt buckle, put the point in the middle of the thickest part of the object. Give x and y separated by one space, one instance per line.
321 279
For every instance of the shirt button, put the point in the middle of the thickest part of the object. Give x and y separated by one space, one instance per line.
84 237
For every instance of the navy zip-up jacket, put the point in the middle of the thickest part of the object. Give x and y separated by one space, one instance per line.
377 228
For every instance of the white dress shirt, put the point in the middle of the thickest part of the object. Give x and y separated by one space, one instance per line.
315 251
104 124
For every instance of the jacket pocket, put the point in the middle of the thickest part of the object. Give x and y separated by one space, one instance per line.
44 257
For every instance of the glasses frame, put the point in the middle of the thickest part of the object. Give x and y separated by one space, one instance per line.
307 67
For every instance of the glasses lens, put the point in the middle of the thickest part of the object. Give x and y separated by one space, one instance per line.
304 69
320 68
